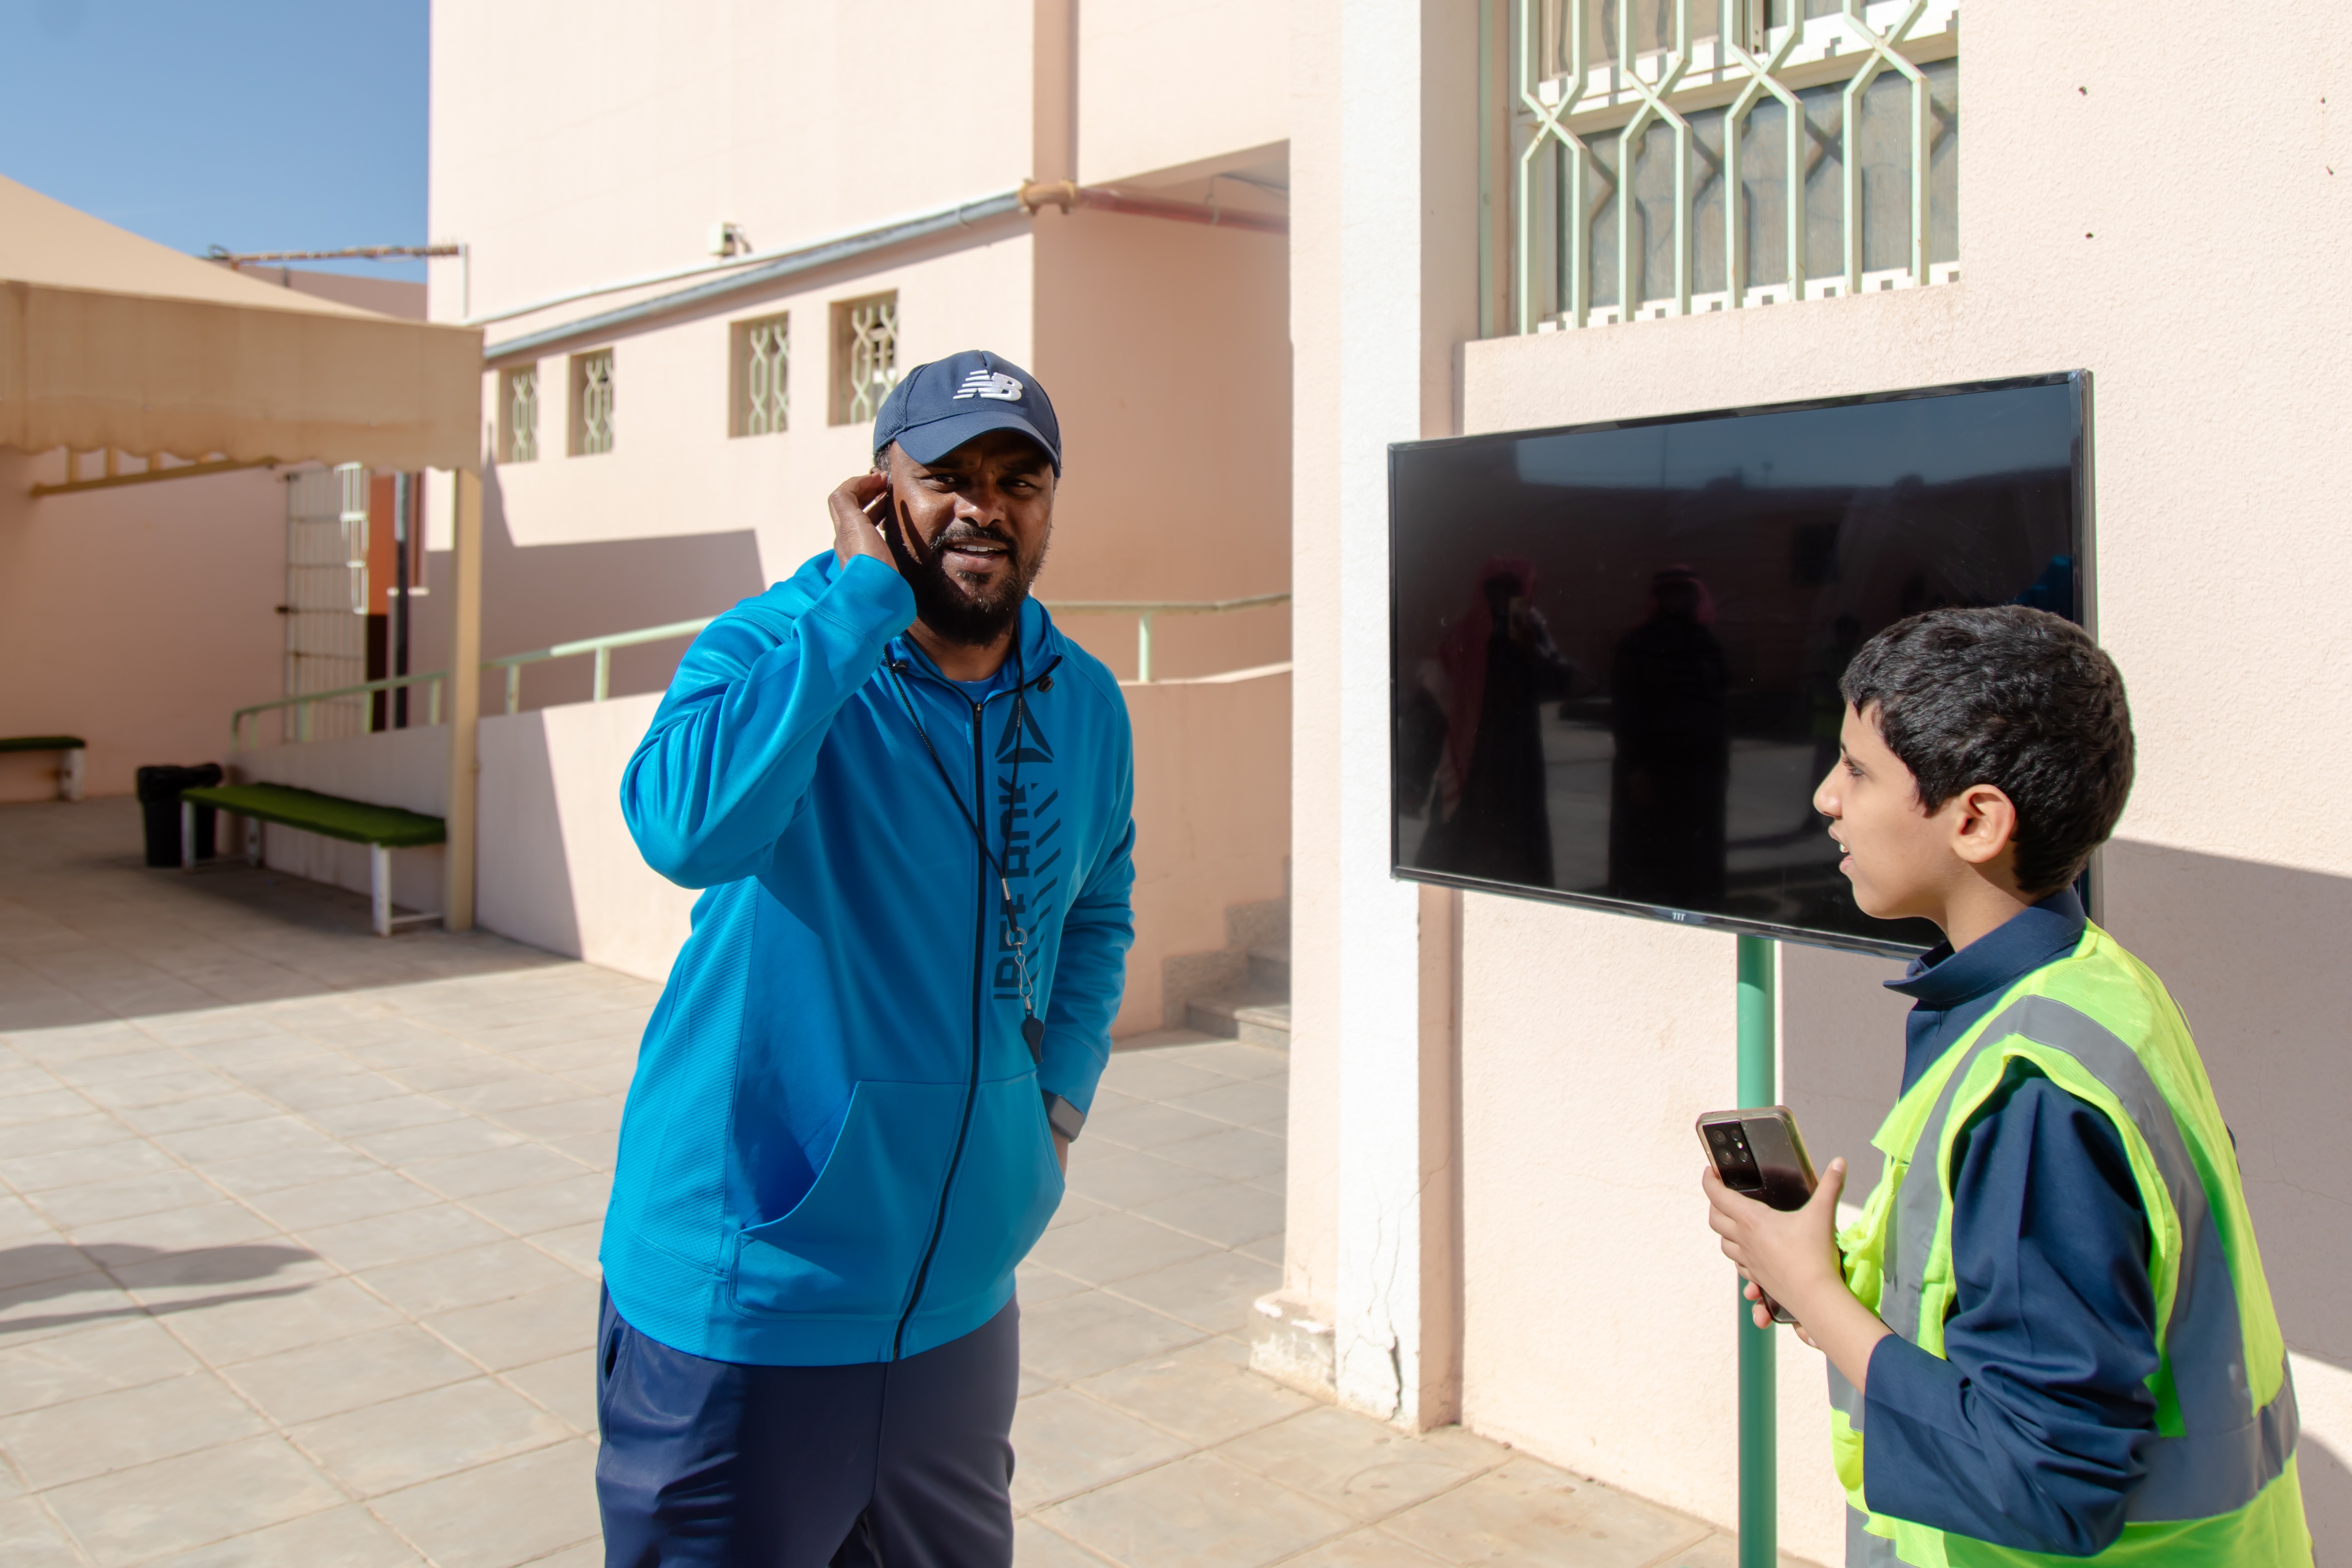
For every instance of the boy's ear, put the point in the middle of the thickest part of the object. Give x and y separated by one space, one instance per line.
1983 824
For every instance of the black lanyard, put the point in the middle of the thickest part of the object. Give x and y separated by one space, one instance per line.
1033 1029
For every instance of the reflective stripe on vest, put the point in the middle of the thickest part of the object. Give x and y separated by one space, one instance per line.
2216 1461
1863 1550
2229 1452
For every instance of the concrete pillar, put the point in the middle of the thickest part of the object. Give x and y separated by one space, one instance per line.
465 702
1384 273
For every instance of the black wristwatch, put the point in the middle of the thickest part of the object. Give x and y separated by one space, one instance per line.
1063 1118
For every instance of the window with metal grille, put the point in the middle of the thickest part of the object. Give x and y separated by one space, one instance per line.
1672 157
518 407
763 357
864 356
591 402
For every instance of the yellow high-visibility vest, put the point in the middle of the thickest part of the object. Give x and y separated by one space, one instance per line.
2220 1489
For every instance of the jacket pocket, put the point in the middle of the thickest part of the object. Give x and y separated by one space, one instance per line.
1005 1194
849 1247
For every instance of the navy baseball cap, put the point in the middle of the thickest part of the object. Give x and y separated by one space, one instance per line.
938 407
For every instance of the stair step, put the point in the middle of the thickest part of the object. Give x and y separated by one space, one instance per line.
1269 967
1257 1016
1157 1039
1268 1025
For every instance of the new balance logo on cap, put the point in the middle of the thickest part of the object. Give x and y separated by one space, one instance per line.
938 407
994 385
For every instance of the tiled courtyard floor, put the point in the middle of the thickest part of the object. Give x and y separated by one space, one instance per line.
298 1233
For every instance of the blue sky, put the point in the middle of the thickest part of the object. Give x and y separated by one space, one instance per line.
254 124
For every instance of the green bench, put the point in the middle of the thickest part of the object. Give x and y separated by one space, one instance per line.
69 749
382 828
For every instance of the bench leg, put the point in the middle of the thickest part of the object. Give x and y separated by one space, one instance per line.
380 887
253 842
187 836
69 775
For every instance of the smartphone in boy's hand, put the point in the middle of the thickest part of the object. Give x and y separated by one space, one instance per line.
1759 1153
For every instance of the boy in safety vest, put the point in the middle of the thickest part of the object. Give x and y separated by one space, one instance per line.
2049 1334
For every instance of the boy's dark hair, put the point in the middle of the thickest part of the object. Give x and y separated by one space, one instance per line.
2015 698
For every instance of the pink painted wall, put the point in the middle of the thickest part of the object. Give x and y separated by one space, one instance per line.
574 147
1588 1040
681 519
1166 348
1162 86
136 618
576 142
559 870
385 296
1212 819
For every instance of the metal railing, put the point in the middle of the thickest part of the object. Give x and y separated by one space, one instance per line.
602 647
1146 610
303 704
1695 156
599 649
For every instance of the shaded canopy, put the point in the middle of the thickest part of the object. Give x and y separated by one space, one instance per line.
110 341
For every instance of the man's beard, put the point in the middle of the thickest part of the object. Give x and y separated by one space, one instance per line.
949 607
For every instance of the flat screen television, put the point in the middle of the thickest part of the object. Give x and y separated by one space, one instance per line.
1615 648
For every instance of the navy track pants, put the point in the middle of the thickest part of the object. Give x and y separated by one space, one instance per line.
905 1464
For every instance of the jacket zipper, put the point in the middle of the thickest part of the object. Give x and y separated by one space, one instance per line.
979 978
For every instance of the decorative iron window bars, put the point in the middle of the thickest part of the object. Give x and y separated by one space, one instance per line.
764 356
864 356
1653 162
591 402
522 414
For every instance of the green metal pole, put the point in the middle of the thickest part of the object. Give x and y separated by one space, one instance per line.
1759 1467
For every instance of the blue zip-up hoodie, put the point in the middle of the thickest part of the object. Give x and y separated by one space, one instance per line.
835 1149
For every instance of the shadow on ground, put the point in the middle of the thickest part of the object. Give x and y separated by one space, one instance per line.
89 933
54 1270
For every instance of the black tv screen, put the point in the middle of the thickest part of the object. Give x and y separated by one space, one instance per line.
1615 648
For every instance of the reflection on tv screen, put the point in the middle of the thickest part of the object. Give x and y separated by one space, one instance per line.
1616 649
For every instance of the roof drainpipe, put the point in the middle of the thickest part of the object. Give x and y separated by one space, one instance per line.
1069 196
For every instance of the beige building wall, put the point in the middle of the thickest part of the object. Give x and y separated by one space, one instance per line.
571 150
1382 288
385 296
2103 225
680 519
1172 87
1166 349
1311 1212
135 617
578 144
569 153
575 150
559 869
1212 819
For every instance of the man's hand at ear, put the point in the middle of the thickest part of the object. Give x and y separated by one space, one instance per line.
855 532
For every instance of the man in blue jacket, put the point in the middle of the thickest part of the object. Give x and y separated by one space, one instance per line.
909 801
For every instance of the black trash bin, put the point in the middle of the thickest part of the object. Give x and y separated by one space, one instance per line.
159 801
